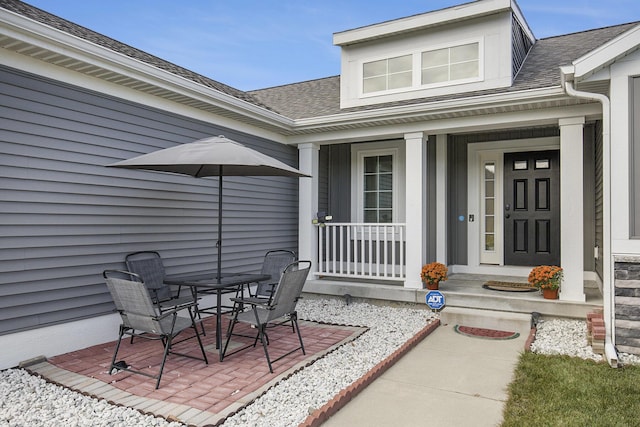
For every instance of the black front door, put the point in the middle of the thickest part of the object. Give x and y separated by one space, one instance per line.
532 208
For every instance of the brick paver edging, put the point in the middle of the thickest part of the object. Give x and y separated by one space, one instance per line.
530 339
322 414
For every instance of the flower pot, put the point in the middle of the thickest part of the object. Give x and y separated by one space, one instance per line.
550 293
432 286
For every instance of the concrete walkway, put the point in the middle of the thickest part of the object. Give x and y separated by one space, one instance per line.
448 379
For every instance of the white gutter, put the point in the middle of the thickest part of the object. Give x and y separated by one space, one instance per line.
607 283
497 100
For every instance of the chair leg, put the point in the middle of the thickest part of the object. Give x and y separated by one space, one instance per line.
115 353
166 339
164 359
229 333
262 336
195 328
294 320
232 320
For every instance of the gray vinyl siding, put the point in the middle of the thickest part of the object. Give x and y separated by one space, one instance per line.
598 197
334 194
521 45
323 178
66 217
456 200
430 188
589 197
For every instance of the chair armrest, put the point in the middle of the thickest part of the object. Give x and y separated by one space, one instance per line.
252 301
175 310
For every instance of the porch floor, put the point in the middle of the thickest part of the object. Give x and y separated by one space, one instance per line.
465 291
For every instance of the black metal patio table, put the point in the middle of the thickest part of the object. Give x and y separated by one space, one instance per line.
207 283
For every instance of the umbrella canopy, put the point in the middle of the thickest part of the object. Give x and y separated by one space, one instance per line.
214 156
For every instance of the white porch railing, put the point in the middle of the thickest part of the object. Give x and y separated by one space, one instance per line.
362 250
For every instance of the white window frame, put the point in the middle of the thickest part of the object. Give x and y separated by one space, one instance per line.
495 256
358 154
387 75
417 68
414 79
478 78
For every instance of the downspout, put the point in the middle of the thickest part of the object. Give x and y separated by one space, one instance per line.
607 286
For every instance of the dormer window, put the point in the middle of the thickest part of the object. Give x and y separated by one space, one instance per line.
450 64
387 74
424 69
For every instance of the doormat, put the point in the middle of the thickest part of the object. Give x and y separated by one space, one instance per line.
491 334
509 286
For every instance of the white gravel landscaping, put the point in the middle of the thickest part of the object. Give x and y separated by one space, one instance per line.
30 401
27 400
569 337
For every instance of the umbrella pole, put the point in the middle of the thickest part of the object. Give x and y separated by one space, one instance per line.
219 242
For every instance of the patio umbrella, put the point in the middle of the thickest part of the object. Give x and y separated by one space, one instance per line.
213 156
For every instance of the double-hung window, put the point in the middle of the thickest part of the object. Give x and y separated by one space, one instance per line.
378 182
378 188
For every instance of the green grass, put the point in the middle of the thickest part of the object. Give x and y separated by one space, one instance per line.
566 391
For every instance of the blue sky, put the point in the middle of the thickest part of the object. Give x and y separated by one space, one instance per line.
253 44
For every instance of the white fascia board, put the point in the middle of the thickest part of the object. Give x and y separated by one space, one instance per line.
417 22
51 39
606 54
467 123
440 107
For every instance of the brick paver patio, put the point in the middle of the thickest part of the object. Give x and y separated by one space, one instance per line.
191 391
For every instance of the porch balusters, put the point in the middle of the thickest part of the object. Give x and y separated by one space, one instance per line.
362 250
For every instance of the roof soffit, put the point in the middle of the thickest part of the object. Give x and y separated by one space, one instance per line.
473 107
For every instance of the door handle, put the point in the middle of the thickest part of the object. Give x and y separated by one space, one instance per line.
507 207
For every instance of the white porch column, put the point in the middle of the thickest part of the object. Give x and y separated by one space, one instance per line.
572 209
415 208
308 204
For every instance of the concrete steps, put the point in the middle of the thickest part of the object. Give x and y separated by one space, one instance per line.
467 303
488 319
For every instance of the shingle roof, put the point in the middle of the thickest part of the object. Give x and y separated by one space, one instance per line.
312 98
321 97
69 27
540 70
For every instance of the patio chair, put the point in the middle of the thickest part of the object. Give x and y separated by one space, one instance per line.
142 318
274 263
148 265
281 308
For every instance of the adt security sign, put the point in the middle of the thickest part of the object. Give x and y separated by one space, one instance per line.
435 300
